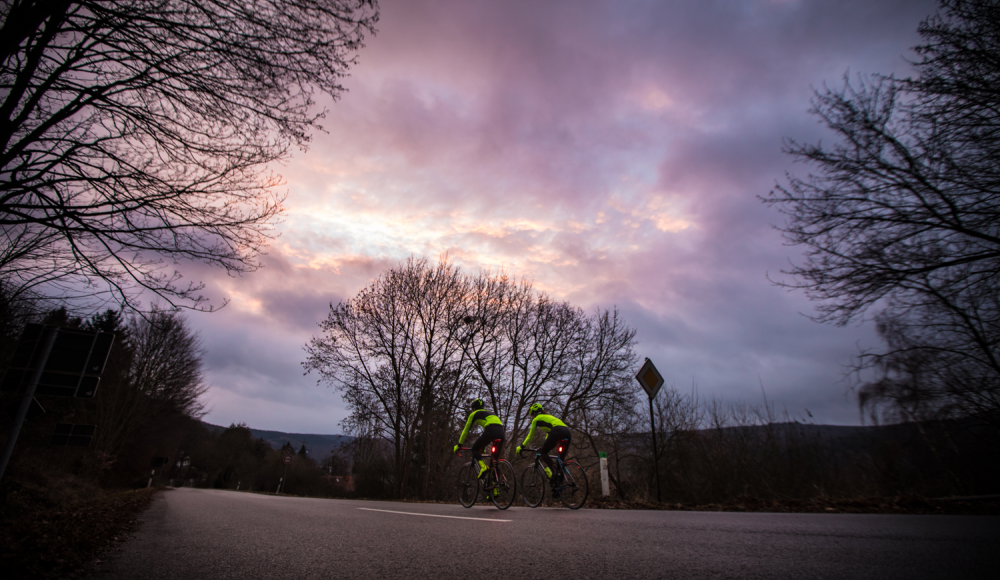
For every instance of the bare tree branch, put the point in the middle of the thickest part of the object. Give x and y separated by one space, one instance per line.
134 134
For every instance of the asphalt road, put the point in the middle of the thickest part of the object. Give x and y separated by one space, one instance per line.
209 534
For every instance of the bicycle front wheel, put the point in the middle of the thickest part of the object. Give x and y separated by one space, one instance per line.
468 485
504 487
533 486
574 489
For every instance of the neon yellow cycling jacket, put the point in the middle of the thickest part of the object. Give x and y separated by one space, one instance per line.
480 418
544 423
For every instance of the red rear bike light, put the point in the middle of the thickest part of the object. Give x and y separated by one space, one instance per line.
560 449
494 450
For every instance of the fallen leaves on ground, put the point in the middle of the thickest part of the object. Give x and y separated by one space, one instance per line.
42 536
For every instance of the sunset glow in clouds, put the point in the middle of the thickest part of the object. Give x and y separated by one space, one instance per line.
612 152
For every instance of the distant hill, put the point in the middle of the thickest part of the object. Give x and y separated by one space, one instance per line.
318 446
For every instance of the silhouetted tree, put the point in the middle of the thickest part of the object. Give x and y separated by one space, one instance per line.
409 350
153 378
133 133
903 214
389 350
525 347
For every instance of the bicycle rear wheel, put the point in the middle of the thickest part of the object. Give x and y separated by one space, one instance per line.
533 486
504 486
468 485
573 492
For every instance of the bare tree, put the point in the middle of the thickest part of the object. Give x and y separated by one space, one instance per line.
612 428
903 214
929 374
603 362
390 351
167 362
154 375
136 133
366 354
537 338
552 334
525 347
408 351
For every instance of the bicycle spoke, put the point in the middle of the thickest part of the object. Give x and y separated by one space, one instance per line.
468 485
504 485
574 489
533 484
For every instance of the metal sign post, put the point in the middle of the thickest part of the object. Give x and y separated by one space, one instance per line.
651 381
54 361
29 395
286 460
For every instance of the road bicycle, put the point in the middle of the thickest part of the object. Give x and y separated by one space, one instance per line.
569 485
499 483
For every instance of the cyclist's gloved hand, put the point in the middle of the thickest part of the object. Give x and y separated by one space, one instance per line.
518 450
455 450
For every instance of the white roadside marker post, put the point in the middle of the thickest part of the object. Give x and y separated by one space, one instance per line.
151 478
605 487
279 485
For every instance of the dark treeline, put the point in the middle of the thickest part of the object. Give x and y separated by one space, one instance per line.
711 452
147 411
717 452
147 404
235 459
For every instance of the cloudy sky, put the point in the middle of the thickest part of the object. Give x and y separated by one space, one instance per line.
612 152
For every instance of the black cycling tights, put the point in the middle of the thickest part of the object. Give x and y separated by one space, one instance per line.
490 434
556 434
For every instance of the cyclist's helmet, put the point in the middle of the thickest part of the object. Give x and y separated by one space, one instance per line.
476 404
536 409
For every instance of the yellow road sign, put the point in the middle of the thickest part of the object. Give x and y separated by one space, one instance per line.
649 378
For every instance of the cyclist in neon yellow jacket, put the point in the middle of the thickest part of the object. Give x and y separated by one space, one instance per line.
492 431
557 431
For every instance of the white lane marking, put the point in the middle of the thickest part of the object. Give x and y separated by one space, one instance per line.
434 515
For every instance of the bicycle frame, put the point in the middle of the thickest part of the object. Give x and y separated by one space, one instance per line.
493 484
490 479
568 483
493 456
560 466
